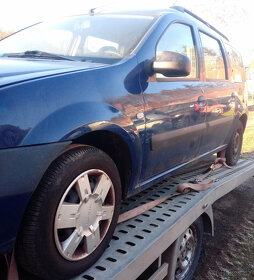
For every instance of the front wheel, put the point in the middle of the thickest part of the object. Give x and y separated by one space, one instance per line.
189 249
71 216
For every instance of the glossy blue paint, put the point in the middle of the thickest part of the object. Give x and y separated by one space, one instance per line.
65 106
46 104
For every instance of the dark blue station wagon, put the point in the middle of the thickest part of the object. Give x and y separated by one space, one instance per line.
95 108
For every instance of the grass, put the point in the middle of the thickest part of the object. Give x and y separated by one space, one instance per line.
248 138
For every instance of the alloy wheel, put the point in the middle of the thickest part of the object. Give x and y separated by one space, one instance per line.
84 214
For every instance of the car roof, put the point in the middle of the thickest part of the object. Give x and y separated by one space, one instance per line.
178 10
154 12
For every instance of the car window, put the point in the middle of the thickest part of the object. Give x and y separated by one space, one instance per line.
214 62
236 64
178 38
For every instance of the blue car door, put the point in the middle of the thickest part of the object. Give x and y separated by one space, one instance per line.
221 95
175 120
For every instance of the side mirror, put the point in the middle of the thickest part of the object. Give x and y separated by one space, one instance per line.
171 64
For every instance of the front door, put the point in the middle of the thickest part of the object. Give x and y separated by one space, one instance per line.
174 124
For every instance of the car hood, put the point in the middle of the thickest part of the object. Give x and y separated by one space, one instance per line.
14 70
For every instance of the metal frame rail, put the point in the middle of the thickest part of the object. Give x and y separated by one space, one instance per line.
141 241
183 10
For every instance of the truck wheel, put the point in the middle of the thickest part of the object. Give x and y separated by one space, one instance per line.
72 215
189 250
233 150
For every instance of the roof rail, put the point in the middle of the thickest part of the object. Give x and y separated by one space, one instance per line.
183 10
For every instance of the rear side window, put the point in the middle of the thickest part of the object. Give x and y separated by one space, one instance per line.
236 64
178 38
214 62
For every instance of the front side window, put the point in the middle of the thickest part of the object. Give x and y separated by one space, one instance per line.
178 38
81 37
214 62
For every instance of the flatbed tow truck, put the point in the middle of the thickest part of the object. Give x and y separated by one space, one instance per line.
161 243
156 244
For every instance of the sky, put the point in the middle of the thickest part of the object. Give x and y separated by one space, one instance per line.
18 13
233 17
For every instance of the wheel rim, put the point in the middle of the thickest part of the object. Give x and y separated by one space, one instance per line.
236 144
186 253
84 214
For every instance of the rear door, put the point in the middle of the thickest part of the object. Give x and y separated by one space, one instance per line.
219 92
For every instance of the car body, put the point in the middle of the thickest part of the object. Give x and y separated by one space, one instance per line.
149 124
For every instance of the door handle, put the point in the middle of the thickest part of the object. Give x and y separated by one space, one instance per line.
201 101
200 104
234 94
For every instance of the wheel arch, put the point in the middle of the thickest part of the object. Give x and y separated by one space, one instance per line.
115 147
208 223
243 120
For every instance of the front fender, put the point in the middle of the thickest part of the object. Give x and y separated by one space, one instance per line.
68 122
77 120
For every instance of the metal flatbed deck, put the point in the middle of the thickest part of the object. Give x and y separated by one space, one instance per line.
141 241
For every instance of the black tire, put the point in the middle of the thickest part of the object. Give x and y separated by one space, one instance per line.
3 268
39 248
234 147
194 234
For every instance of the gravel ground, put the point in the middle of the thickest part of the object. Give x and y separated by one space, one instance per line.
229 255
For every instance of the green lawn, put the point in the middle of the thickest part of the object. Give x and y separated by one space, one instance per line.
248 138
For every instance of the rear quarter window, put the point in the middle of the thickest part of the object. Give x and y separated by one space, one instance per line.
236 64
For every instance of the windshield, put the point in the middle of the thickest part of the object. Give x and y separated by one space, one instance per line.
81 37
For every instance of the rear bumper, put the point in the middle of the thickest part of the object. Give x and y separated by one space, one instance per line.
21 169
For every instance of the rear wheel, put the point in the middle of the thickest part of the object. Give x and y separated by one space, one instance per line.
234 148
72 215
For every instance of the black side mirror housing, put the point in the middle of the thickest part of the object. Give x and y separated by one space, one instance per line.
170 64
